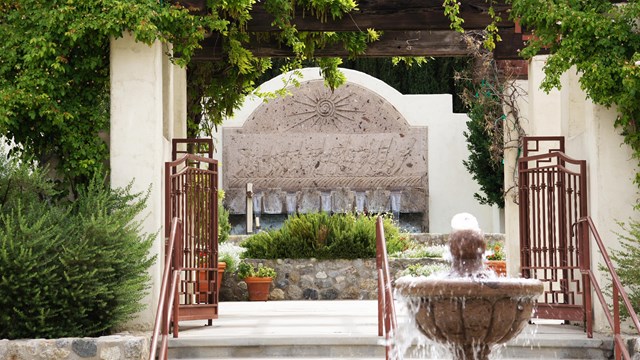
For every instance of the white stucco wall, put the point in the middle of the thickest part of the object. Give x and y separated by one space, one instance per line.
148 107
451 188
589 135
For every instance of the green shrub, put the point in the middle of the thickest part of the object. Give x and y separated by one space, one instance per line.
224 226
626 264
230 254
68 269
323 236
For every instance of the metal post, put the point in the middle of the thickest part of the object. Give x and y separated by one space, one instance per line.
249 211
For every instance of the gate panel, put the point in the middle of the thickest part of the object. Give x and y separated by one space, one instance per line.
192 195
553 196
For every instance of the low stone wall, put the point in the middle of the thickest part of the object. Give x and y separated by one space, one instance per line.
300 279
311 279
115 347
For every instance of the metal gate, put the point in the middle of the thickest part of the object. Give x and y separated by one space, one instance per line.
191 184
553 197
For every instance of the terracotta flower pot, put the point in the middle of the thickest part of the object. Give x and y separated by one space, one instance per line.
221 267
258 288
499 266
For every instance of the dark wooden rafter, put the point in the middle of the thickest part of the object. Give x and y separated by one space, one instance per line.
409 27
388 15
392 43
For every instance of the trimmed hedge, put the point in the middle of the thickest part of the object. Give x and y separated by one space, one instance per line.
68 268
323 236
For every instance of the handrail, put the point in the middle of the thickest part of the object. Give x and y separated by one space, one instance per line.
386 308
618 291
166 307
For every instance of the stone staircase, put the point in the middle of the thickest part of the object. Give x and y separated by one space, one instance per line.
348 330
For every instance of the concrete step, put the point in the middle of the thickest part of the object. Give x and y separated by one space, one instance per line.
527 346
348 330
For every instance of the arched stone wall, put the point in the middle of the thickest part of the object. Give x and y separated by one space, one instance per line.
349 144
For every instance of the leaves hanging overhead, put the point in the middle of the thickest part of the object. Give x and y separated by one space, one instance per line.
600 40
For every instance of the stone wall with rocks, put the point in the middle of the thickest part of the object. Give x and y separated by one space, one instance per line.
301 279
115 347
311 279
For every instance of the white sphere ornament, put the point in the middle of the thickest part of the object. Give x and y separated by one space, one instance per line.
464 221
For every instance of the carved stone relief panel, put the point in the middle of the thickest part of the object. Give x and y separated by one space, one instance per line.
316 140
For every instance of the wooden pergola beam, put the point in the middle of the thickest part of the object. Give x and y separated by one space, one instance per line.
391 43
388 15
435 43
410 28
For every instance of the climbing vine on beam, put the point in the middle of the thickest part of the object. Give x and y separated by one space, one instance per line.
54 65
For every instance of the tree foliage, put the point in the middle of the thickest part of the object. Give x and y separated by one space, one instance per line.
54 73
600 39
54 66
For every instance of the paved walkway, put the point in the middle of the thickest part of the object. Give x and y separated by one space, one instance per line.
291 329
315 318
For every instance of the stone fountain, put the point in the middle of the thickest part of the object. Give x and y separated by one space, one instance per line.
470 309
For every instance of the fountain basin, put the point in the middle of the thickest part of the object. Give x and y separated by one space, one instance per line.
470 315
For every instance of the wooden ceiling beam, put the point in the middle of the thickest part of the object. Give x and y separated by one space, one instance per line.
391 43
438 43
410 28
397 15
401 19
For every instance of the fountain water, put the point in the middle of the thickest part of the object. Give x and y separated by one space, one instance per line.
360 201
470 309
395 204
257 208
291 203
325 201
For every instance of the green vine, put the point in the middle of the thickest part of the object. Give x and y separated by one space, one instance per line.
600 40
54 73
54 67
226 87
490 33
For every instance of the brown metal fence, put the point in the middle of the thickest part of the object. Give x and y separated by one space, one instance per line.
192 195
553 197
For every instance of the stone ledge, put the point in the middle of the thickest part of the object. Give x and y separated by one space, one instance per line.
113 347
312 279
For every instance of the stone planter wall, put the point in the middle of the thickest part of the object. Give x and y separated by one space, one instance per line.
311 279
300 279
115 347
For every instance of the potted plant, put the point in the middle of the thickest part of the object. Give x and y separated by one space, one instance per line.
202 259
258 280
496 258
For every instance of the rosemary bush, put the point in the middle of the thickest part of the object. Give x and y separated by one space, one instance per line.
626 260
68 269
323 236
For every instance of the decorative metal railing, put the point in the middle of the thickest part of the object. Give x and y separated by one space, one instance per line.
191 185
387 322
587 226
168 302
552 196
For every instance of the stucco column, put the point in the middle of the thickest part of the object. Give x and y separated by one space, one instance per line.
137 140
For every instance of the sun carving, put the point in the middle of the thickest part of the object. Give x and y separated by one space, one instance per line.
322 111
